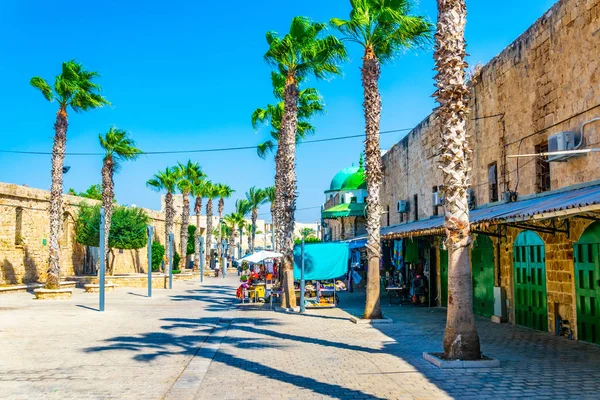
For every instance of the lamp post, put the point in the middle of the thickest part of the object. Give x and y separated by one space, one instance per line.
200 244
150 236
223 257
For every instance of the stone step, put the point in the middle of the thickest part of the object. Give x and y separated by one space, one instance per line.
92 288
28 287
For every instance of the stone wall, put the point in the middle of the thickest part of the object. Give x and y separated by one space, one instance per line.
24 257
545 82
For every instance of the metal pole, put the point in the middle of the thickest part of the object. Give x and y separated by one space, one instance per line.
102 258
201 240
171 238
150 236
223 266
241 241
302 306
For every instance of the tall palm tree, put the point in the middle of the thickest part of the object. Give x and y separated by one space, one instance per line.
234 221
461 340
187 173
225 192
118 147
166 181
302 52
199 190
256 198
74 88
271 196
383 28
211 194
243 207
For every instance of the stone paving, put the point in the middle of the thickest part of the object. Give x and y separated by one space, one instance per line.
191 342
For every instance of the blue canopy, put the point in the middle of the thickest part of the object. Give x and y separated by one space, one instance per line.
322 260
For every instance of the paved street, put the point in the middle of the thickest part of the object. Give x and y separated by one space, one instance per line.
191 343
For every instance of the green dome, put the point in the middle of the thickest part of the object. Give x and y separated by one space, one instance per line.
355 181
340 178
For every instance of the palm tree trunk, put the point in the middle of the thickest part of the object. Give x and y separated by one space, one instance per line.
209 228
254 218
56 189
169 219
185 221
286 186
107 203
372 110
461 340
197 210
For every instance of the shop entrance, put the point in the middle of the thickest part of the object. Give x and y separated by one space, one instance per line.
531 305
587 284
482 261
444 276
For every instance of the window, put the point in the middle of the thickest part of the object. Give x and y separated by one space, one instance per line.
434 190
542 169
19 226
416 201
388 215
493 182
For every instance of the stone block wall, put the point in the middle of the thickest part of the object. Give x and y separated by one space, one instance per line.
24 257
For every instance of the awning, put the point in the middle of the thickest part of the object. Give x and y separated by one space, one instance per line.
560 203
344 210
356 243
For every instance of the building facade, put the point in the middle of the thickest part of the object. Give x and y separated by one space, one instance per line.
536 235
343 213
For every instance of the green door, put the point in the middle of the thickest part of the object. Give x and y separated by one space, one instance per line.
444 276
482 262
587 284
531 306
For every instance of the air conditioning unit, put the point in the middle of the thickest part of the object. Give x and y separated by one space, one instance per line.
564 141
403 206
437 198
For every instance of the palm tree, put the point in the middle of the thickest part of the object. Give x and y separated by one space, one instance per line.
188 173
300 53
256 198
166 180
118 147
243 207
383 29
307 232
461 340
225 192
234 221
211 194
271 195
199 190
74 88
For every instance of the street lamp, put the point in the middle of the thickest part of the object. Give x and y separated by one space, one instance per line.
223 257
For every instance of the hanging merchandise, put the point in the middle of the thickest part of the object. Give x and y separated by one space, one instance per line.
356 278
398 256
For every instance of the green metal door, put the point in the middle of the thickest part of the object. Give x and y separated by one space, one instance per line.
531 306
587 284
444 276
482 265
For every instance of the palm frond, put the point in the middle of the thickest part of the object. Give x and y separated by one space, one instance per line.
42 86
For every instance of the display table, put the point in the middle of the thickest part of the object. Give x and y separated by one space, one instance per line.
397 291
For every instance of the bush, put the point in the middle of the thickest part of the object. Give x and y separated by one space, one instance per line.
158 252
128 228
307 240
176 260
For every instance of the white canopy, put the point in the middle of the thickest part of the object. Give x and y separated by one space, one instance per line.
260 256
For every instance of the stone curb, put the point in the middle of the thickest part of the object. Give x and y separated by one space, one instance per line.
361 321
458 364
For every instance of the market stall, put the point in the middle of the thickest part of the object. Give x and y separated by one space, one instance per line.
320 265
259 272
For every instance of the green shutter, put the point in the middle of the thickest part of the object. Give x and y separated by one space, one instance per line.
482 261
586 284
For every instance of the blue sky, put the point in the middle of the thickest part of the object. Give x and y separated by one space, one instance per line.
188 74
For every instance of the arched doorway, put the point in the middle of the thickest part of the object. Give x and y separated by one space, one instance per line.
531 305
587 282
482 261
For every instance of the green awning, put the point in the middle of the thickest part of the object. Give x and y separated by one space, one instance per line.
344 210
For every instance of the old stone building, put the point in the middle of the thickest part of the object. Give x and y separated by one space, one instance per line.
24 237
536 243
